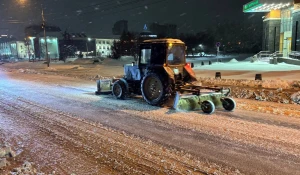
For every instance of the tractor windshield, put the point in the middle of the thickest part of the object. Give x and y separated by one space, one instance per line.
176 54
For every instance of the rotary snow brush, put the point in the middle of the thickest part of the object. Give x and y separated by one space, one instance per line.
206 101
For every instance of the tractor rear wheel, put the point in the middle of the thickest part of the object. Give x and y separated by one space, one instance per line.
155 89
119 90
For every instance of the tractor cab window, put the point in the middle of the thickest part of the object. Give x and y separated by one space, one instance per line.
158 54
145 56
176 54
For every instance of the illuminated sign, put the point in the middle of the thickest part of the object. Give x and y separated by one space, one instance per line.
251 4
265 6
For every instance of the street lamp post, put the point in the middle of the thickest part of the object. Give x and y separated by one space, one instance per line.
87 48
44 27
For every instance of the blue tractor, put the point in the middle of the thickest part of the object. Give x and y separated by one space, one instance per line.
160 73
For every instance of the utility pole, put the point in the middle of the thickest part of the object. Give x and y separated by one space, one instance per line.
44 27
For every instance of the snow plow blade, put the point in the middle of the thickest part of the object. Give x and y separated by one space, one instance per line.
104 87
207 102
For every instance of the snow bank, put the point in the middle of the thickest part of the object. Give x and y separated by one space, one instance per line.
29 71
252 83
247 66
127 58
233 61
83 61
269 90
296 97
5 152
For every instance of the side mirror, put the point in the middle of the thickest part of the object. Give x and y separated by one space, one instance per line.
192 65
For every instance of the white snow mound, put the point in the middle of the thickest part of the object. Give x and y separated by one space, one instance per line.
233 60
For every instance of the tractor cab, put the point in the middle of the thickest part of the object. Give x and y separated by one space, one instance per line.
158 55
159 52
167 55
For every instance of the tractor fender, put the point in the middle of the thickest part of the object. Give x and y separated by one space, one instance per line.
126 84
170 73
191 73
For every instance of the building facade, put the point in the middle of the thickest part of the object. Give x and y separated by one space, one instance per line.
280 24
103 46
13 49
38 47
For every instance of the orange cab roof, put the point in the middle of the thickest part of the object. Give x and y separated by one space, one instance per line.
166 40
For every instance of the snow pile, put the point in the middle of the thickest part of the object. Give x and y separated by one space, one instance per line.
5 152
251 83
26 169
233 61
51 69
28 71
296 97
83 61
269 90
5 70
127 58
276 84
248 66
77 67
277 96
296 84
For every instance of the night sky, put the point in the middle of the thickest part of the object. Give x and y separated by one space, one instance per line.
96 17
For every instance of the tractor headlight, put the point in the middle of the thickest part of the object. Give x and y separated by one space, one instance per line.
176 71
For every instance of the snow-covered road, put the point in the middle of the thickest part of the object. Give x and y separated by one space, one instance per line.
64 117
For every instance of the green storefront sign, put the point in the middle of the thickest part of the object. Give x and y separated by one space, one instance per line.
251 5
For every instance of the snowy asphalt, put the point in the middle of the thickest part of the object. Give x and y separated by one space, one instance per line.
243 141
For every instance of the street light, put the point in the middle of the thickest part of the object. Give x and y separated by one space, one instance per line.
22 2
87 48
49 55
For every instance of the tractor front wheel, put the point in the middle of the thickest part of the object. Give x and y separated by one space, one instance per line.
155 89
